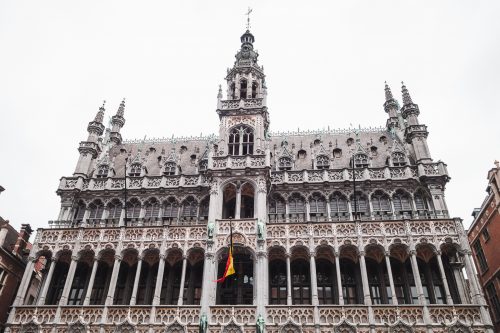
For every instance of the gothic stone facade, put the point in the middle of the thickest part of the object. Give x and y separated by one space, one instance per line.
143 230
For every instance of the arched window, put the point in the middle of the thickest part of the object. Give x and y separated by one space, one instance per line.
135 170
361 161
103 274
277 282
133 209
241 140
147 280
277 209
337 153
170 169
380 292
79 212
398 159
124 283
402 204
422 204
327 284
361 203
254 89
285 163
170 209
296 205
317 208
96 209
301 282
57 283
152 209
381 204
102 171
114 209
322 162
350 281
193 283
237 288
204 208
203 166
243 88
232 89
403 281
76 295
189 209
338 207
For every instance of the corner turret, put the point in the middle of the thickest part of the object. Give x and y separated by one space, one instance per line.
117 122
391 108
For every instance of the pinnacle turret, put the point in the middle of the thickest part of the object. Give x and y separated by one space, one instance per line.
406 95
117 122
388 93
99 117
121 108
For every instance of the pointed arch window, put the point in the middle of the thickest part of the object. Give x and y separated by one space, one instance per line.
204 208
170 210
254 89
296 205
402 203
80 212
301 282
152 208
114 209
277 282
285 163
133 209
170 169
102 171
398 159
317 208
96 210
277 209
135 170
327 286
243 88
232 89
338 207
361 161
322 162
422 204
361 203
189 209
381 204
241 140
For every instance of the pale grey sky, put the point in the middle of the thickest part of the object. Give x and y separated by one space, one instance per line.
325 61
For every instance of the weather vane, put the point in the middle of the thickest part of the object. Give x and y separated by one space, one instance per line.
248 17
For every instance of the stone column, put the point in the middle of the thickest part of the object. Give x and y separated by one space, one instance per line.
261 282
449 300
23 287
209 286
86 301
46 284
314 280
183 278
364 278
391 279
112 282
416 277
476 294
159 280
339 278
237 209
69 280
288 281
133 298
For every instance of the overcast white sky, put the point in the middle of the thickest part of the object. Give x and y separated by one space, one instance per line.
325 61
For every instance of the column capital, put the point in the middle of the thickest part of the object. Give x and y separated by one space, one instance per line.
97 258
387 253
140 258
163 256
412 252
361 253
118 257
32 259
336 254
437 252
75 257
312 254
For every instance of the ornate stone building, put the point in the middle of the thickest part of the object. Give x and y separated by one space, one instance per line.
143 229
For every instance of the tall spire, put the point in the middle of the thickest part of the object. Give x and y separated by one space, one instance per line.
99 117
121 108
388 93
406 95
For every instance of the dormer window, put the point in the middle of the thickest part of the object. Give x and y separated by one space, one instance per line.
360 161
135 170
241 141
398 159
169 169
322 162
102 171
285 163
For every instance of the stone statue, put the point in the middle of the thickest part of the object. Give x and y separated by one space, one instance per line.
211 227
260 324
203 323
260 229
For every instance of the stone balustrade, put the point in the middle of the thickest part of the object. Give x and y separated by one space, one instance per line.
238 162
242 103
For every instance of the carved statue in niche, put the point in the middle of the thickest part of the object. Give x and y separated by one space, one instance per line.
260 325
203 324
260 230
210 230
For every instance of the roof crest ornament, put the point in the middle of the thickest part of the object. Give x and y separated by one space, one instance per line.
249 11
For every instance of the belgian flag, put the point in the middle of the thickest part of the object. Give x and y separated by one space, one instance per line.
229 264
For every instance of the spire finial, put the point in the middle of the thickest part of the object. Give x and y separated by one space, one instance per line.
121 108
406 95
100 114
249 11
219 95
388 92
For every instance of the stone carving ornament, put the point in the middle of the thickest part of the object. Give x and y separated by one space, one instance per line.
458 328
232 328
125 328
77 328
175 328
30 328
290 328
345 328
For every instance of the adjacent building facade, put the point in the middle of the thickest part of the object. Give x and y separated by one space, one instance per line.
339 230
484 237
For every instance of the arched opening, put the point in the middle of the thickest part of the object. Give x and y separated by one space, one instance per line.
194 278
133 211
232 91
422 204
254 89
189 210
102 278
350 275
339 210
378 282
243 88
114 212
247 201
79 213
317 208
147 278
152 210
402 274
171 278
300 276
170 210
327 282
402 204
81 279
277 209
58 278
381 205
229 202
237 288
322 162
297 208
125 280
277 277
453 271
359 206
204 209
241 140
96 209
361 161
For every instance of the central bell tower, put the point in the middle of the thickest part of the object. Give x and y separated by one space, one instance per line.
244 119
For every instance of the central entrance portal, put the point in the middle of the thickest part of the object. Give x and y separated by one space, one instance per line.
237 288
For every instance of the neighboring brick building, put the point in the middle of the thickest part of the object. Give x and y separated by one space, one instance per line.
14 249
484 237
